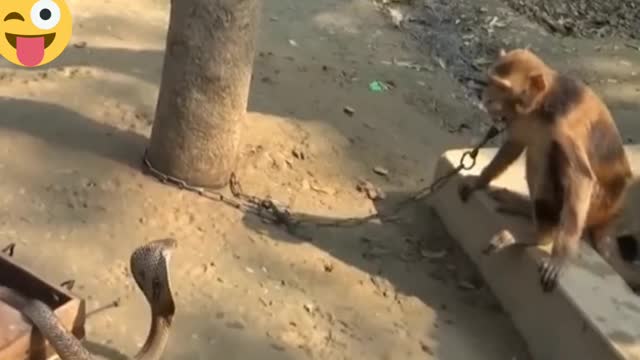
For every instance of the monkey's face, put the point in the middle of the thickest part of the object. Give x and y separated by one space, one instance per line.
499 101
516 83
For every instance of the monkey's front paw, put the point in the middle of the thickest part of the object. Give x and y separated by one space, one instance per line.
550 271
499 241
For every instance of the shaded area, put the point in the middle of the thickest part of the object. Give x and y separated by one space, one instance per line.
104 350
467 35
143 64
583 18
422 263
221 342
381 130
65 128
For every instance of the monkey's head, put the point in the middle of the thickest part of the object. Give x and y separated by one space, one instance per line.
516 83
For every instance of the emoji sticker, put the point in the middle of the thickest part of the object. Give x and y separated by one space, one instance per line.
34 32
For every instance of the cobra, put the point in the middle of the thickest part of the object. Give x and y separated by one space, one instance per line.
150 268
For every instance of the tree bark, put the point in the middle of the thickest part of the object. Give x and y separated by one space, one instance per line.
204 90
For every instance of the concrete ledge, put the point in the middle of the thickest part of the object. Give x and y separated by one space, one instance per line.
591 315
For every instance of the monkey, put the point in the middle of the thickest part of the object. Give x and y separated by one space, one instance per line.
576 169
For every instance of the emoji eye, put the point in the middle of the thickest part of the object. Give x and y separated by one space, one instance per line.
45 14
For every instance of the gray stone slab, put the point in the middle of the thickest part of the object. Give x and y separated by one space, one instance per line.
591 315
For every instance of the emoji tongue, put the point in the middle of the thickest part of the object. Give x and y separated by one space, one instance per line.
30 50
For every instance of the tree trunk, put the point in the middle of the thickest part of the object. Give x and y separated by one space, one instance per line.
204 90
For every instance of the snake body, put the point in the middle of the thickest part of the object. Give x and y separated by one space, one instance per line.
150 268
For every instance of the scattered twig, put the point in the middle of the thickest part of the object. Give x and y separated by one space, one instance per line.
68 284
9 249
114 304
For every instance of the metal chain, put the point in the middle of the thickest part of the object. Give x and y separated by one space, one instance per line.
268 210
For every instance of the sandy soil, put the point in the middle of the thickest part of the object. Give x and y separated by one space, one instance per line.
76 202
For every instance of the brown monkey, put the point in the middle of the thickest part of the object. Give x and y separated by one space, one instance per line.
576 167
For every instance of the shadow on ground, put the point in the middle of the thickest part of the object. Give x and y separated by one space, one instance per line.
66 129
374 248
418 264
220 342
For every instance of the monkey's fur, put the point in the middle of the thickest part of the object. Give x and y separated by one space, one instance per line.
577 171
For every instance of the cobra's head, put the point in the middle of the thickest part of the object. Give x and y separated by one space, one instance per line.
150 267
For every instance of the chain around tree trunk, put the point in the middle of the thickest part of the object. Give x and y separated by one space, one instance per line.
280 215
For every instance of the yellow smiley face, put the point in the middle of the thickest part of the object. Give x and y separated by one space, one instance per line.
34 32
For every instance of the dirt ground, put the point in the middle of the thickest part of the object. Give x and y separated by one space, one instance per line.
76 202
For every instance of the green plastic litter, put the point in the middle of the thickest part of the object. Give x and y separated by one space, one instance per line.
377 86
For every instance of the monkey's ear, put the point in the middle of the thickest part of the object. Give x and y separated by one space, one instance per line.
537 83
502 53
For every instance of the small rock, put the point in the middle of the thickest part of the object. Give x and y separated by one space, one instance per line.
308 308
426 348
324 190
381 171
305 184
396 17
298 154
349 110
372 191
267 80
466 285
289 163
236 325
433 254
264 302
80 44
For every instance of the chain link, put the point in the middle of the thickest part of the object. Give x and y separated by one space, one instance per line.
280 215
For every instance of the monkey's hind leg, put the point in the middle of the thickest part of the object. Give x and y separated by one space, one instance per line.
601 238
553 267
567 235
511 203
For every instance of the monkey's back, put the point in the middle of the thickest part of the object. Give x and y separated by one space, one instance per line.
595 131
